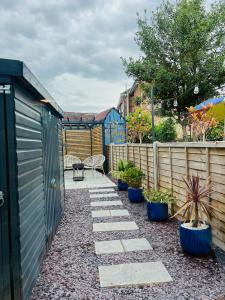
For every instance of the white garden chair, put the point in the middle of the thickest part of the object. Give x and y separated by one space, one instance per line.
69 160
94 162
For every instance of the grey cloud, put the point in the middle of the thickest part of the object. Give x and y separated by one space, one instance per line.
83 38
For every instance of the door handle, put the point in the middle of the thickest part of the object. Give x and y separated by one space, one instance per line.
1 198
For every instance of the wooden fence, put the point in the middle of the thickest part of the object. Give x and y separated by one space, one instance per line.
83 143
165 165
97 140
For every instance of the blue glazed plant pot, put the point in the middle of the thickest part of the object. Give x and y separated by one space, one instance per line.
196 241
135 195
122 186
157 211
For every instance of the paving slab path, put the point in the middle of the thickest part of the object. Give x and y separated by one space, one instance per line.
76 265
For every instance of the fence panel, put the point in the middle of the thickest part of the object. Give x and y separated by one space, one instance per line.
165 165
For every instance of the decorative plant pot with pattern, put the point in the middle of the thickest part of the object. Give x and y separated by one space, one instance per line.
196 240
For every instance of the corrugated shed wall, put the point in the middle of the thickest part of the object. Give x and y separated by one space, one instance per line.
30 188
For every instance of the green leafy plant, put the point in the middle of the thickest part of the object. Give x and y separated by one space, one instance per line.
159 196
166 131
138 100
139 123
122 166
216 133
197 208
133 177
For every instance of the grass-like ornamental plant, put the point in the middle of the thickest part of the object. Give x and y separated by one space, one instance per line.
133 177
197 209
122 166
159 196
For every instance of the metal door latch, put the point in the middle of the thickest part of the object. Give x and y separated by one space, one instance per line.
5 88
1 198
53 183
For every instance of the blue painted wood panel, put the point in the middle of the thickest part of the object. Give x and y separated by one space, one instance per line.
115 128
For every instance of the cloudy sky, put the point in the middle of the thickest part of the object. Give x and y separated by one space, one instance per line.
74 46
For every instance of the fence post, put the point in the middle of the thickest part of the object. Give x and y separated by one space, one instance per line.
147 167
127 155
171 179
155 164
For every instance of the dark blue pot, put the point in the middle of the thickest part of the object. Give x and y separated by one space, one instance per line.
196 242
157 211
135 195
122 186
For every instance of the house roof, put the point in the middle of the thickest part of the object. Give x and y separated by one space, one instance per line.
78 117
102 115
123 96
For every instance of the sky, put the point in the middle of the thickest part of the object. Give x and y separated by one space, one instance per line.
74 46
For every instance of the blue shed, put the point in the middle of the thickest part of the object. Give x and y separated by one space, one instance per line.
114 126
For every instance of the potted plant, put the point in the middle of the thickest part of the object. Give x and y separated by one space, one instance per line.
195 230
133 177
122 165
157 206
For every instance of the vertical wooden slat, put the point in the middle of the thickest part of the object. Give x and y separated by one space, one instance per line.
155 170
147 166
127 153
186 162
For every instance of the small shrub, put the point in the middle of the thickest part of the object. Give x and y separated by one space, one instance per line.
166 131
159 196
133 177
122 166
216 132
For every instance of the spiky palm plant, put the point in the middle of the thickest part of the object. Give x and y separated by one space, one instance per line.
197 209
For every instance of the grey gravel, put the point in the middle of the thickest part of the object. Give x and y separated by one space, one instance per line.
70 270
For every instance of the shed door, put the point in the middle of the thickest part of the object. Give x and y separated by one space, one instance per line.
53 206
5 290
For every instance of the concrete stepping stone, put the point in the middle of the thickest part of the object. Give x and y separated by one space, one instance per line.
102 190
114 226
106 203
133 274
109 195
118 246
109 213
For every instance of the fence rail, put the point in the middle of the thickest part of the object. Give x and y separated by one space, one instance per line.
165 165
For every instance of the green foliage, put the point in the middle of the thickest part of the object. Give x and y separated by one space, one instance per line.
133 177
216 133
182 46
166 131
138 100
159 196
139 123
122 166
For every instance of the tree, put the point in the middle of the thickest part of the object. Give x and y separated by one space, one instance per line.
139 123
182 48
201 121
166 131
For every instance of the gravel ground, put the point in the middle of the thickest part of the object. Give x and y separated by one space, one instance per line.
70 271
